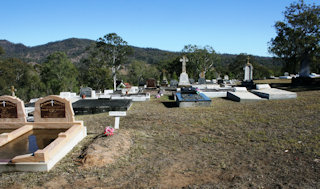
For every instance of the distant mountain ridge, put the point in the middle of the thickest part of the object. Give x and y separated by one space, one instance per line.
75 49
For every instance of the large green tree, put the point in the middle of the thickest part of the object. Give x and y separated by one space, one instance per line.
24 78
235 69
59 74
140 70
200 59
298 37
111 51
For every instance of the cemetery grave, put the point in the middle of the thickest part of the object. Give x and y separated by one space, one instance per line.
265 91
240 94
178 147
190 97
93 106
184 78
38 145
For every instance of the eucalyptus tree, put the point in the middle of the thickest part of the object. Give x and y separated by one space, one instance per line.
298 37
111 51
59 74
200 59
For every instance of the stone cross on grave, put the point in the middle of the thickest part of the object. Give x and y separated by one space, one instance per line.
248 71
184 60
13 91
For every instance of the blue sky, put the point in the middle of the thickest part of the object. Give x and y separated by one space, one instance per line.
229 26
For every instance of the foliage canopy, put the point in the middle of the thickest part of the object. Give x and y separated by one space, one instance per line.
298 37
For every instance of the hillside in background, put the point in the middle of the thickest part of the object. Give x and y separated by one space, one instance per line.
76 49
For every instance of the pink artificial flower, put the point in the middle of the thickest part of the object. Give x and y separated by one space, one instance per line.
108 131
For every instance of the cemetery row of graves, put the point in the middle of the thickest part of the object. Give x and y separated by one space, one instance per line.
56 114
36 136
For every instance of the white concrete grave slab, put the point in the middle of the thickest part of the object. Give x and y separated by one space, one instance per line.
265 91
241 94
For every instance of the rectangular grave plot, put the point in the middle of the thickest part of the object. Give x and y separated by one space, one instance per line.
52 109
8 110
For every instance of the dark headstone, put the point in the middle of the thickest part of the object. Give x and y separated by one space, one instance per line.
93 106
174 83
142 83
306 81
248 84
8 110
151 83
52 109
164 83
85 91
202 80
192 81
220 81
188 90
304 68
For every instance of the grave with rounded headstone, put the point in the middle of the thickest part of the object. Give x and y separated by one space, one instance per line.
151 83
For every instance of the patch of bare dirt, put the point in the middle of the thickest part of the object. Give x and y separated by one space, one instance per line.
106 150
57 182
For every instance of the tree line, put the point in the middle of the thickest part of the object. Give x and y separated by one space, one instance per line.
107 61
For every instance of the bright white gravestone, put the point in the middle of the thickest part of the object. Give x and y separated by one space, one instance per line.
248 71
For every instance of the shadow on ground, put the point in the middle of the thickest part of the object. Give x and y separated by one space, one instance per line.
170 104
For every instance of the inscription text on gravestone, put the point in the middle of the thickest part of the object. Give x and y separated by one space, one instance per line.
8 110
52 109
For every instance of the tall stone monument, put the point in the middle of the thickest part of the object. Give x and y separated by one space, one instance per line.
248 71
184 78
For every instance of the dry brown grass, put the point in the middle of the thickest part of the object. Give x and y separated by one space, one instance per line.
270 144
271 81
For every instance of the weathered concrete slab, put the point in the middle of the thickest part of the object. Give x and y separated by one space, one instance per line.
216 92
265 91
141 97
240 94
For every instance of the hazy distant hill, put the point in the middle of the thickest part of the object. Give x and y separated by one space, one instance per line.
76 49
73 47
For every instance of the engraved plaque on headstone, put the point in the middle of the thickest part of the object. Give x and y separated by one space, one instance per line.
8 110
52 109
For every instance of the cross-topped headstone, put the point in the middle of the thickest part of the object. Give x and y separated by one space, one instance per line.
184 79
184 60
248 71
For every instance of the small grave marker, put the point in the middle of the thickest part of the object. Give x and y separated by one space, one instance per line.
117 115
